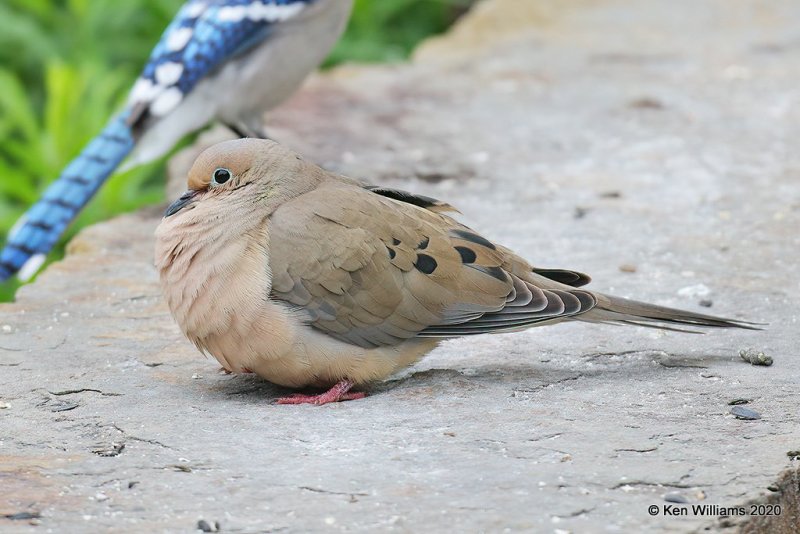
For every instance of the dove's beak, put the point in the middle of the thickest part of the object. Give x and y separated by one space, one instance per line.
186 199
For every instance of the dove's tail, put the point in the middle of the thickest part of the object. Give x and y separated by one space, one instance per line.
37 231
618 310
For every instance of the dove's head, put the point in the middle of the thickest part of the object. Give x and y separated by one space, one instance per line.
244 173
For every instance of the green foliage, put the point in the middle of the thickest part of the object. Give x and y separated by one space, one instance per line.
388 30
66 67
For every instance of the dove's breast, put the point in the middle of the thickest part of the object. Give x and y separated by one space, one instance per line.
217 289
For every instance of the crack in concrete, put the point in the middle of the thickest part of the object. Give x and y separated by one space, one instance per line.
31 349
90 474
351 494
177 467
577 513
150 441
679 365
84 390
134 438
654 352
536 389
26 444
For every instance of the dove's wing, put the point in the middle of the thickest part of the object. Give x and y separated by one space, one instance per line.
374 268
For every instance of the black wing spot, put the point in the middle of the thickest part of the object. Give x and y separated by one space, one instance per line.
392 253
474 238
425 264
570 278
424 243
404 196
395 241
467 254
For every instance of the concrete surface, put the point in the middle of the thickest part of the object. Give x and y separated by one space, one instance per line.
650 144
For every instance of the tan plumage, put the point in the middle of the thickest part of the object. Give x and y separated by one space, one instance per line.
310 278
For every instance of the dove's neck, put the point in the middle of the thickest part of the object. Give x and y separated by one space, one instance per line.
213 269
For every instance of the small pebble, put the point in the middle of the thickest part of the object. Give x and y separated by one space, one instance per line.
745 413
627 268
755 357
109 450
676 498
737 402
706 303
197 376
205 526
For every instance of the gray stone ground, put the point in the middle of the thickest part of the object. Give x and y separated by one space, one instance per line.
605 136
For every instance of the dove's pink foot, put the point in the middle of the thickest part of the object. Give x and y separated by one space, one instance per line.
339 392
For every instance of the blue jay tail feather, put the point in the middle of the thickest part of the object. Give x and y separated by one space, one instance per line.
38 230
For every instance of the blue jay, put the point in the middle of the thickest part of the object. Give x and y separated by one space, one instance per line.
229 60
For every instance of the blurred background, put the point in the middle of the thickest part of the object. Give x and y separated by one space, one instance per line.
67 65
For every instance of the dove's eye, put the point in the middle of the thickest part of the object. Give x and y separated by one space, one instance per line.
220 176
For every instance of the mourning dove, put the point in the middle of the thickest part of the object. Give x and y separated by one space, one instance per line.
307 278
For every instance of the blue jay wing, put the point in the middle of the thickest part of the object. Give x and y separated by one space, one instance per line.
203 36
39 229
